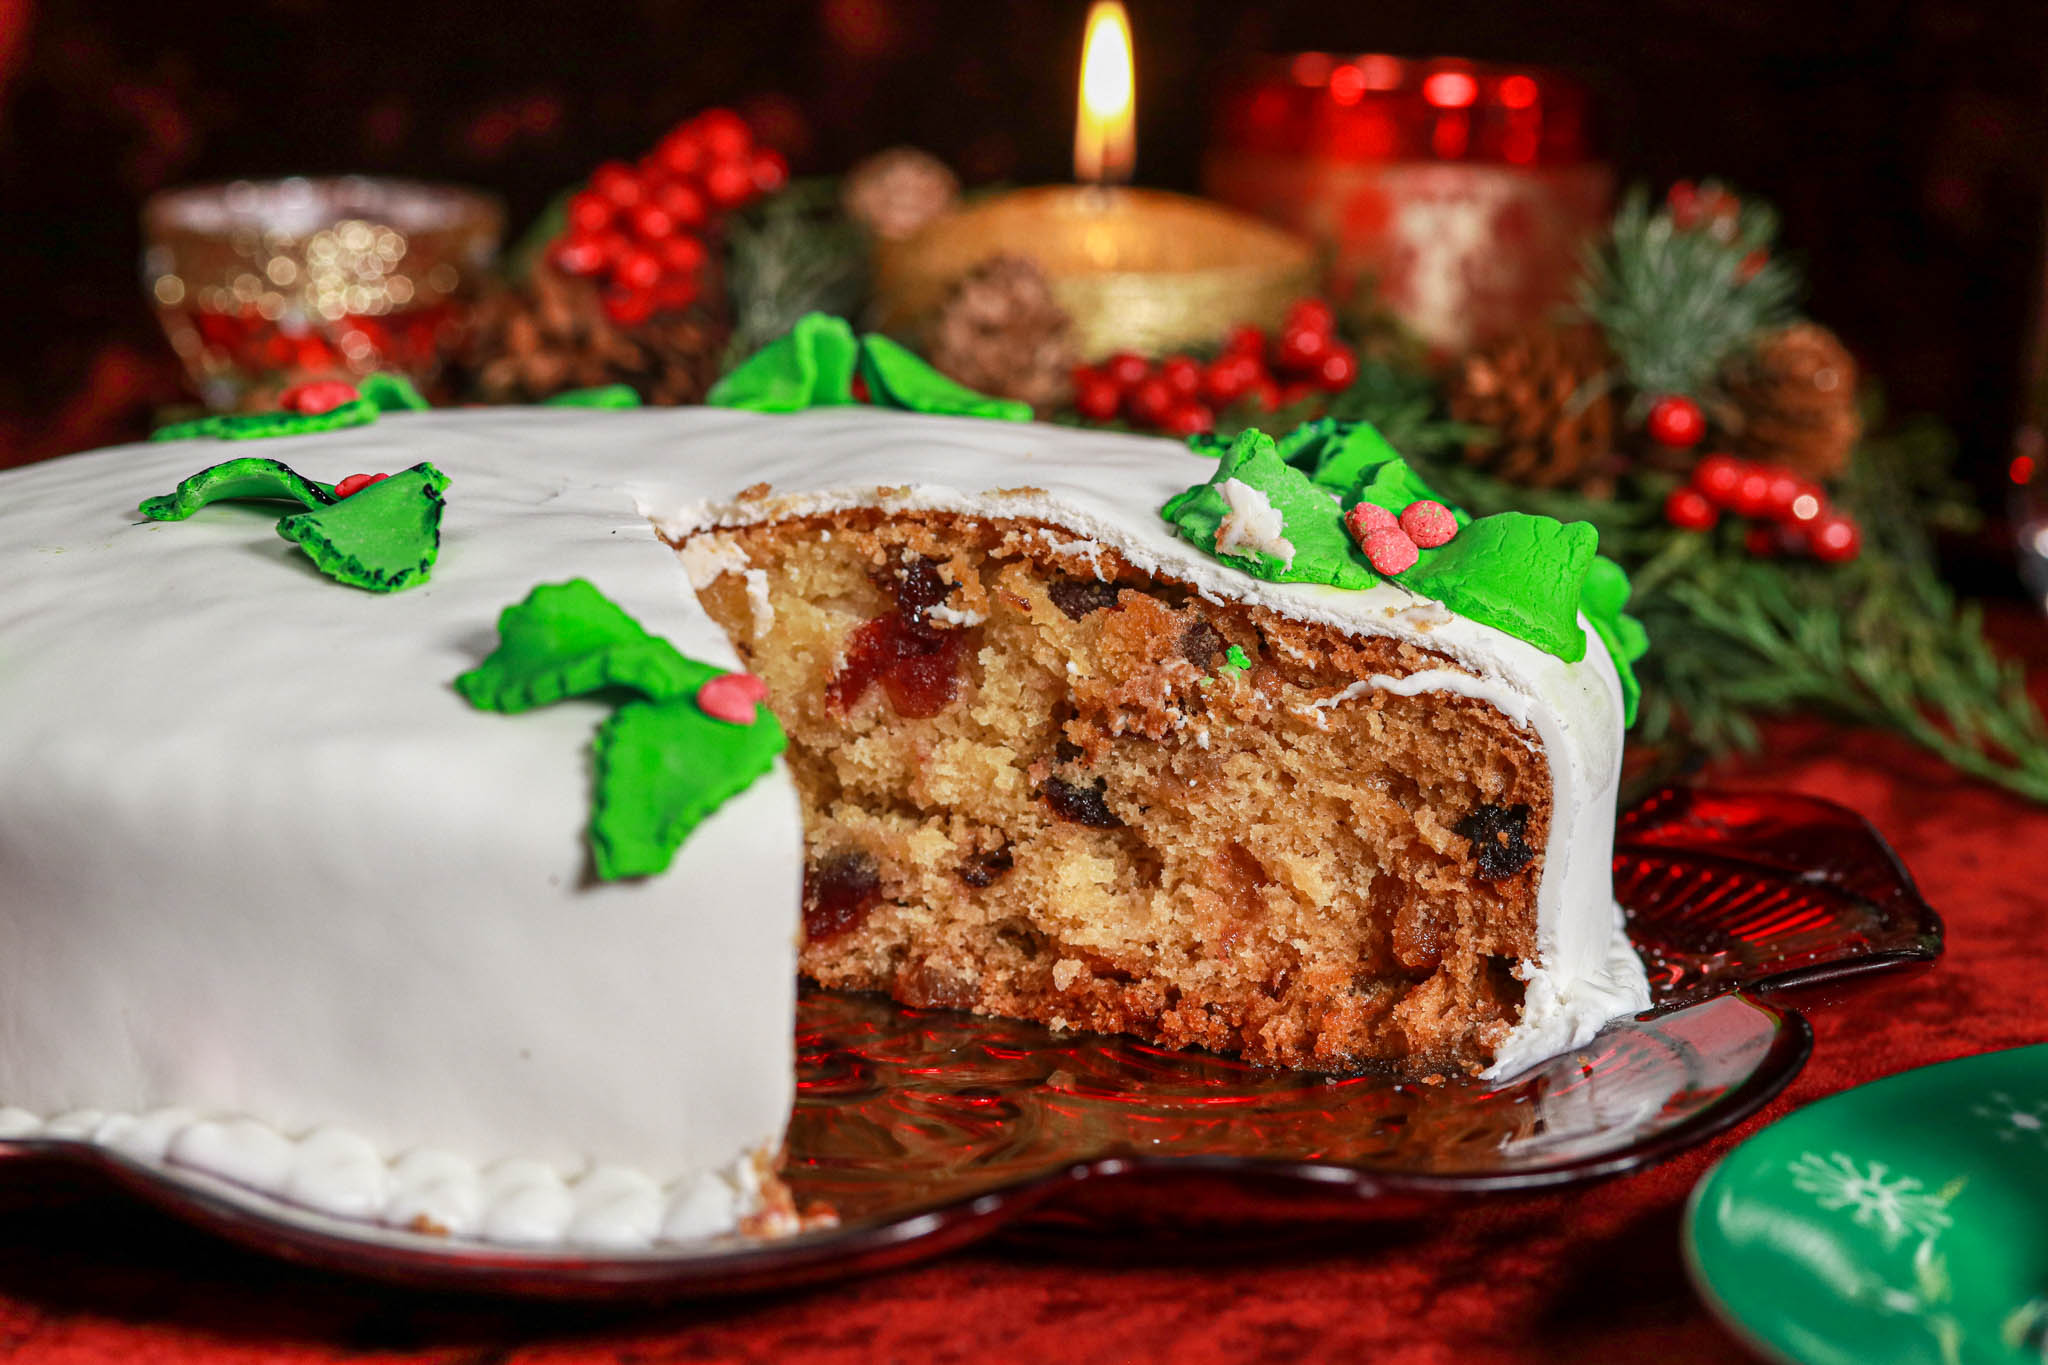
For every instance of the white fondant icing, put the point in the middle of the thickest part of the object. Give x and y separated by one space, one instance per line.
1252 524
264 864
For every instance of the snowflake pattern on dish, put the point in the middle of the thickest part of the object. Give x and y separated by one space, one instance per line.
2015 1120
1890 1205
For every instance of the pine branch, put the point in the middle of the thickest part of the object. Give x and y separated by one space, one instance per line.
791 254
1675 304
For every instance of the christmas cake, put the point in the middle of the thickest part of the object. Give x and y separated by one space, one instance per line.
287 908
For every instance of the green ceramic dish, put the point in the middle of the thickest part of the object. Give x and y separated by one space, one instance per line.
1905 1220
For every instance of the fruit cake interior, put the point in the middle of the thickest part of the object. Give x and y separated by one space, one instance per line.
1039 783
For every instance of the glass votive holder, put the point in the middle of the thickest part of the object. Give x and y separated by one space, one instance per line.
264 284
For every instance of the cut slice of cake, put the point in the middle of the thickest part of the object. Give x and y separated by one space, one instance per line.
1064 766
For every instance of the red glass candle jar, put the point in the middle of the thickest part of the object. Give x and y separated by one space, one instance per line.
1456 195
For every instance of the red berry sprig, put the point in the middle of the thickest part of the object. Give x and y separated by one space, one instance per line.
1181 396
1791 513
1677 422
642 231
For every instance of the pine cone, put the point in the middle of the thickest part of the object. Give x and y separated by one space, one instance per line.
1546 396
898 191
554 336
1002 332
1796 398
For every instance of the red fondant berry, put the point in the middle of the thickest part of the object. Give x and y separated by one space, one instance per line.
1752 265
1127 369
1338 369
1834 538
1265 393
1183 377
1366 519
1149 401
1188 419
731 697
322 395
1391 552
1716 477
1762 541
860 389
1429 524
1690 510
356 483
1677 422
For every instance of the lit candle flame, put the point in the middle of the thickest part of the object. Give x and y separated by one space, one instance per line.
1105 133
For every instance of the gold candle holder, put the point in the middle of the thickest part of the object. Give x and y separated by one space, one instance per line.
260 285
1138 270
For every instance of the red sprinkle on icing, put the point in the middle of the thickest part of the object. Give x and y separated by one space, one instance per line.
1367 518
1429 524
732 697
322 395
1391 552
356 483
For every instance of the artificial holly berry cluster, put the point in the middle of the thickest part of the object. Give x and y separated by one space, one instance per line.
641 231
1181 395
1717 211
1791 515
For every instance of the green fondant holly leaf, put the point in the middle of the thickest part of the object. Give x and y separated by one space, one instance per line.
897 378
1603 599
662 767
810 366
604 396
249 426
569 639
392 393
1311 523
1518 573
248 478
382 538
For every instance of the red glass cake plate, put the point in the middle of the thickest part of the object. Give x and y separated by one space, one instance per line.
927 1130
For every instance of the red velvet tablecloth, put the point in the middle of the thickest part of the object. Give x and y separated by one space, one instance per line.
1585 1277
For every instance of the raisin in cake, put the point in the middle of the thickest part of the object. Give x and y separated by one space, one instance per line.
281 909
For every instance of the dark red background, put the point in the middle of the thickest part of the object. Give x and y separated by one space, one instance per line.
1583 1279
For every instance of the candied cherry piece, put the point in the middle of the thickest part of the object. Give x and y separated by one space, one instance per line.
839 892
